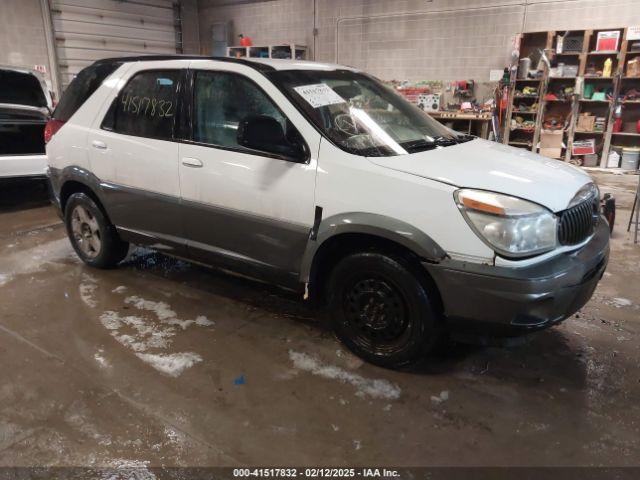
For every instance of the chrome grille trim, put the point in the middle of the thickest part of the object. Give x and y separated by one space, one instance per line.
578 223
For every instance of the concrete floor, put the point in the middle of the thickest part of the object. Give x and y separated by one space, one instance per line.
162 363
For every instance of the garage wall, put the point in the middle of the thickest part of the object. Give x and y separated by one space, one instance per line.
190 27
411 39
88 30
22 34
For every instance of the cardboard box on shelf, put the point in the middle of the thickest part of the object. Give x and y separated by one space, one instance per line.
551 138
553 152
586 122
633 67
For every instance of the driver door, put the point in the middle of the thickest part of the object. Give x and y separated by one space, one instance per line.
248 210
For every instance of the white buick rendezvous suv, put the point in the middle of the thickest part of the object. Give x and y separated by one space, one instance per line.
319 178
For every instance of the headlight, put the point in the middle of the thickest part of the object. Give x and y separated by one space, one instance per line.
589 192
511 226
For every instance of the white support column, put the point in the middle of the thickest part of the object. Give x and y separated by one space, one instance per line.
50 39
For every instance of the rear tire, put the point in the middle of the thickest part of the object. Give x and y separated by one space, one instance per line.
381 308
92 235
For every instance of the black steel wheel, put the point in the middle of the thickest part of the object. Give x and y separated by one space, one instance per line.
381 309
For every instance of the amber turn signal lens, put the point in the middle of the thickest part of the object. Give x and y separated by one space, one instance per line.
482 207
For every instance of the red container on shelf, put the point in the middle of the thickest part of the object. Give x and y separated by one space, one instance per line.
617 125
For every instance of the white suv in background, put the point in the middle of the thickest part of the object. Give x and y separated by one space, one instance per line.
320 178
25 106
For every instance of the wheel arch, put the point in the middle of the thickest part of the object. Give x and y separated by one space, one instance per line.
78 180
341 235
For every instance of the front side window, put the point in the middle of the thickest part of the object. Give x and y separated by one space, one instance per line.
361 115
146 106
222 100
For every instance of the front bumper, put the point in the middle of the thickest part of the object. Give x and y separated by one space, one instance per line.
485 299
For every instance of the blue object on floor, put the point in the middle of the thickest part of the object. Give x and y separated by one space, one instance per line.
239 381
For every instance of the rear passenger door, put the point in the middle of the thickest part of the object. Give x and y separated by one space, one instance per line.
134 154
250 209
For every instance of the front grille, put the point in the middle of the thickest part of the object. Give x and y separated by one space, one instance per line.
578 223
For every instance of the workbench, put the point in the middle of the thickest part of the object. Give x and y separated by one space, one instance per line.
478 124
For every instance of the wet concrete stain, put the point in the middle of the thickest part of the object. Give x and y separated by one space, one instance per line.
164 390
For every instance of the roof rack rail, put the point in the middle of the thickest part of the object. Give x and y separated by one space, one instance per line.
151 58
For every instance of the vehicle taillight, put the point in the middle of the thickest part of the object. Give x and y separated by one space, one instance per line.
51 128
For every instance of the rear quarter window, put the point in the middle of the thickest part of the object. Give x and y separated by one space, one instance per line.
82 87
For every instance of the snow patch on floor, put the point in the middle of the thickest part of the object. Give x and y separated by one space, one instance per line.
620 302
203 321
161 309
129 469
443 397
165 314
149 338
375 388
87 290
101 360
4 279
119 289
143 334
34 259
172 364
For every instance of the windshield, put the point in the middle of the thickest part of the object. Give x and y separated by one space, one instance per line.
361 115
21 89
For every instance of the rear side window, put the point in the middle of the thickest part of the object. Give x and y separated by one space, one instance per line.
146 106
81 88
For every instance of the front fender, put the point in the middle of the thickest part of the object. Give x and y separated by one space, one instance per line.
381 226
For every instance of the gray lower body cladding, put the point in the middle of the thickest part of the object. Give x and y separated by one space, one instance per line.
509 301
263 248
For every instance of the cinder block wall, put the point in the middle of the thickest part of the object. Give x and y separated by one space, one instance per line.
22 35
411 39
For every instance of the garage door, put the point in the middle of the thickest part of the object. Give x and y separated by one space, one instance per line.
88 30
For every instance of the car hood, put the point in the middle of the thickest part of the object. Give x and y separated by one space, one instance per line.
493 166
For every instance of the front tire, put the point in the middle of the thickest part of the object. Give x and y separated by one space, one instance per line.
382 310
92 235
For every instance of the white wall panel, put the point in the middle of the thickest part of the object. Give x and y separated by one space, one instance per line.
411 39
88 30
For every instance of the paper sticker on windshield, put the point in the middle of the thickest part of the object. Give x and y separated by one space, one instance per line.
319 95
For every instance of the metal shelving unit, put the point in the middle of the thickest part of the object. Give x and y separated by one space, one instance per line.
587 60
281 50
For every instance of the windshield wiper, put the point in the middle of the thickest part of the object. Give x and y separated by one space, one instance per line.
465 138
444 141
418 145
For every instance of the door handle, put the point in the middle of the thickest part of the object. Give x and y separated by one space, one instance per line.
192 162
99 145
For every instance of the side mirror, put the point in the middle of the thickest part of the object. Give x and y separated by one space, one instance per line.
264 133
